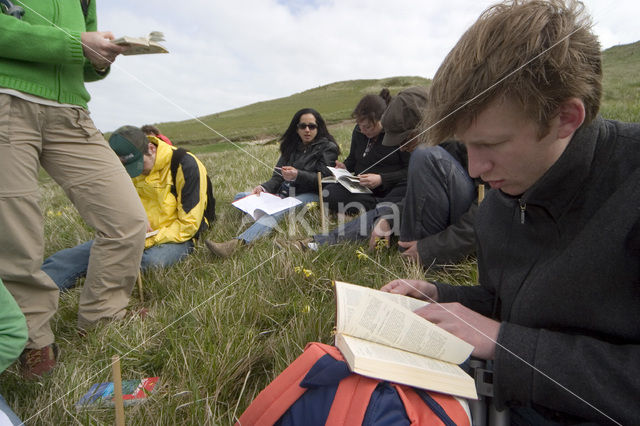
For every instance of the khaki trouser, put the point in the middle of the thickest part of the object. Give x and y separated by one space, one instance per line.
74 153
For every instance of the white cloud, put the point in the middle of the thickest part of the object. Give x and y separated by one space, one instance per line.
229 54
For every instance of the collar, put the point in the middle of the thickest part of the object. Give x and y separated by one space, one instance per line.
564 180
163 156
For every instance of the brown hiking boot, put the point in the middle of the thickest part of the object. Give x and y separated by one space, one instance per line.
225 249
34 363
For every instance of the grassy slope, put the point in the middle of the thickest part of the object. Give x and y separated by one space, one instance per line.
219 331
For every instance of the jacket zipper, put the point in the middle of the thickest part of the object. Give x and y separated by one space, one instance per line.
523 208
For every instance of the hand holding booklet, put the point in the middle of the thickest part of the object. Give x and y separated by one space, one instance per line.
381 337
257 205
142 45
345 178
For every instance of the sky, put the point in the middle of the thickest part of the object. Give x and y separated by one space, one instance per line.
228 54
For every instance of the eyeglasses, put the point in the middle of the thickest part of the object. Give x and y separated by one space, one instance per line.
311 126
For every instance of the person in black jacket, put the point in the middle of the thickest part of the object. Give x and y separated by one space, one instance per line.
306 148
381 169
558 305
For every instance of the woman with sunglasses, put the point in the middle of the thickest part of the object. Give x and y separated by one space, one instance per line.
382 169
306 148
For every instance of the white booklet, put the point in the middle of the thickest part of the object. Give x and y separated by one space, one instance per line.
257 205
345 178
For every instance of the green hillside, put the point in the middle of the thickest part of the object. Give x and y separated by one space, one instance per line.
266 120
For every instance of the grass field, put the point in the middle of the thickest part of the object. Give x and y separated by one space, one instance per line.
219 330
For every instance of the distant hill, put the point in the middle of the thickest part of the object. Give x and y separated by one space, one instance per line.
264 120
268 119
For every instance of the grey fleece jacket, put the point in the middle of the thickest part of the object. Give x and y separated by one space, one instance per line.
560 268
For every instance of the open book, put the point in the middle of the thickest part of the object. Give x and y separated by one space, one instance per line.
345 178
264 203
142 45
381 337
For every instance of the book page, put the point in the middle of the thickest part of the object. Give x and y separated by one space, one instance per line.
379 317
265 203
387 363
349 181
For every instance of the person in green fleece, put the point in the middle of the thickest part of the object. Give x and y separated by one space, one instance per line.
13 336
45 58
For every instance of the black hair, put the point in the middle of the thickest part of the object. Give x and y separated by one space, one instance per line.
371 107
290 139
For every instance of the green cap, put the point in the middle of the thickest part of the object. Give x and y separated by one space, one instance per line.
130 143
403 115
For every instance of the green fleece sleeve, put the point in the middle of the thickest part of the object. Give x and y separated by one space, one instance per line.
13 329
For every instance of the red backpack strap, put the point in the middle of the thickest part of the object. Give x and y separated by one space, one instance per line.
281 393
351 400
440 409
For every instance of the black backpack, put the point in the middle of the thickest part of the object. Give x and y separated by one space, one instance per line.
210 210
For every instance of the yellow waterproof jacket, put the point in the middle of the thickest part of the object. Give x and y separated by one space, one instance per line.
177 218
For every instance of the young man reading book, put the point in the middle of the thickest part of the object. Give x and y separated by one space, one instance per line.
176 215
558 305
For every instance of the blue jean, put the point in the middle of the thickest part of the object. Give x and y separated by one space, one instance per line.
66 266
266 224
6 411
439 191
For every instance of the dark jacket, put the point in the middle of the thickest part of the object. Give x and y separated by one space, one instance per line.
387 161
458 240
560 268
309 160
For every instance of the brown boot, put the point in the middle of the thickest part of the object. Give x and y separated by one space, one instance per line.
225 249
34 363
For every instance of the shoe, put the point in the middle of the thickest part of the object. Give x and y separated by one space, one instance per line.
35 363
223 250
300 245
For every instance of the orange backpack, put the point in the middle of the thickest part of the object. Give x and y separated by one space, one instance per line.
351 398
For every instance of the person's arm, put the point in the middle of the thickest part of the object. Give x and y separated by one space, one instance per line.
13 329
307 180
452 244
273 184
191 187
585 376
392 178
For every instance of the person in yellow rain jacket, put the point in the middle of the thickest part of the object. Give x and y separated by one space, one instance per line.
176 206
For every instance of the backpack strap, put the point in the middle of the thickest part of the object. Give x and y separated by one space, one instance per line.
442 409
351 401
281 393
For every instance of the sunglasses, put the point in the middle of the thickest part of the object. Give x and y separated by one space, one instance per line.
311 126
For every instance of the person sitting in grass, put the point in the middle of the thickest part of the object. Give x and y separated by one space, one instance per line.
306 148
175 208
380 168
558 305
435 219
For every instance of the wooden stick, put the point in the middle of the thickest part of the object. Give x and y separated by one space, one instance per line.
480 193
140 287
117 391
321 201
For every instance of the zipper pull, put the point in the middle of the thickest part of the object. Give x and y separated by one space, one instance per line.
523 208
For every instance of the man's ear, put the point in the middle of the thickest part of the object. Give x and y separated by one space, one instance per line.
571 115
152 148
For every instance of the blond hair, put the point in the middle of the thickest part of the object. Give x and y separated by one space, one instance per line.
537 53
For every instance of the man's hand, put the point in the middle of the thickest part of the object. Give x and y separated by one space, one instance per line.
257 190
98 49
289 173
470 326
370 180
340 165
411 250
381 231
415 288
